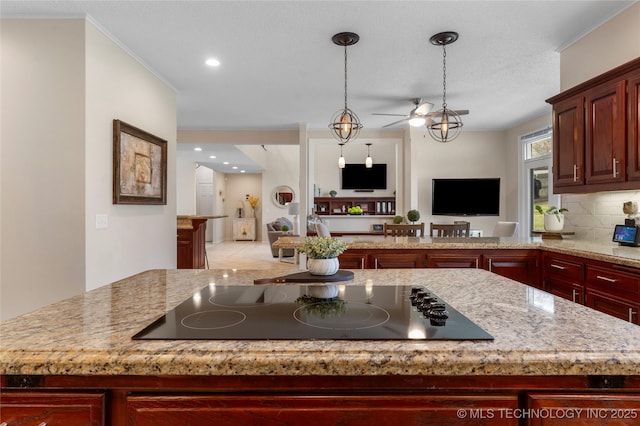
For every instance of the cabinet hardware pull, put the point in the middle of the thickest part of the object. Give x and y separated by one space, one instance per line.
476 263
553 265
375 263
43 424
615 167
611 280
362 263
574 293
490 265
631 314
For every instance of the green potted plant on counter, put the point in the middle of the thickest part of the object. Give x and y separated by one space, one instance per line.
322 254
553 217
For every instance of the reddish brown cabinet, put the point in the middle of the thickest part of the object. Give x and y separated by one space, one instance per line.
397 259
52 408
321 409
449 259
353 260
568 142
563 276
595 408
519 265
596 146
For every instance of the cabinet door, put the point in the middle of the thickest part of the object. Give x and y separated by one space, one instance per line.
605 138
35 408
566 289
341 409
562 266
568 142
522 267
584 408
620 283
633 124
454 260
614 306
353 260
408 259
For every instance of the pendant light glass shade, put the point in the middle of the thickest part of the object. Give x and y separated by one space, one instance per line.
445 124
345 124
341 161
368 162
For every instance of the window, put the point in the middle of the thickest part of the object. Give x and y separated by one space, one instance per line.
536 180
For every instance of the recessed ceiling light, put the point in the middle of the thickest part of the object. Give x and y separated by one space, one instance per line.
242 171
212 62
212 156
235 167
225 162
197 148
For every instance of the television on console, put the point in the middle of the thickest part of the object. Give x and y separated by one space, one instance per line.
466 197
358 177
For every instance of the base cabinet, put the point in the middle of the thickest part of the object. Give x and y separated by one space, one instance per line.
52 408
583 409
244 229
318 409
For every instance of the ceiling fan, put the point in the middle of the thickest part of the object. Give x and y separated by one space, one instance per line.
420 115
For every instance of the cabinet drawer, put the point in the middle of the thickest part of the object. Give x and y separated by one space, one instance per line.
64 408
561 267
611 281
565 289
614 306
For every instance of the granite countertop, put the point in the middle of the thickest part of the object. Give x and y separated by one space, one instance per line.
535 333
604 251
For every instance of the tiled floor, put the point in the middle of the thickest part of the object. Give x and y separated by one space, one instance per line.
245 255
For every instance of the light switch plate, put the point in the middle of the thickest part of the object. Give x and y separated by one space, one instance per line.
102 221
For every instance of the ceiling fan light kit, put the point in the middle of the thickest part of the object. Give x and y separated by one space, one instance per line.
345 124
446 124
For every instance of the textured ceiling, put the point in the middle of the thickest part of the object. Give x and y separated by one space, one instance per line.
279 66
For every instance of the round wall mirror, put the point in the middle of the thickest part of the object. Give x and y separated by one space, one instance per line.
283 195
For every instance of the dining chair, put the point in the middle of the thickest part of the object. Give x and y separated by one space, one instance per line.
404 230
460 229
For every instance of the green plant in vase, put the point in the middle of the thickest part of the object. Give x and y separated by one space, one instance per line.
397 220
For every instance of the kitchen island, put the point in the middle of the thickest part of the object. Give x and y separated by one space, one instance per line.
548 352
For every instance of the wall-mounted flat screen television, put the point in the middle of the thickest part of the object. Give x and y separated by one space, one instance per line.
357 176
466 197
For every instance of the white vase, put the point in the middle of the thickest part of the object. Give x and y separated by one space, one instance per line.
323 266
323 291
553 223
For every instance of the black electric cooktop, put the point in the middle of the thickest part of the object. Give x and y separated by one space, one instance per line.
293 312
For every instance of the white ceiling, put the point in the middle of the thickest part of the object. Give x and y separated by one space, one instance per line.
279 66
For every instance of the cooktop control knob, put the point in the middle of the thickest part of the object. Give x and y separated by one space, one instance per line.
437 315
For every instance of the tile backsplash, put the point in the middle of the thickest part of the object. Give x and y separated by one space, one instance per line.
593 216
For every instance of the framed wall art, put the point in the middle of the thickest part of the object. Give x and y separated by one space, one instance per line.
139 166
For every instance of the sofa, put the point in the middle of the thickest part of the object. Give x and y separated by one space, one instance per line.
274 231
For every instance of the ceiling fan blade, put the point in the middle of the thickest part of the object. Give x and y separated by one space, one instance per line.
395 115
424 108
457 111
396 122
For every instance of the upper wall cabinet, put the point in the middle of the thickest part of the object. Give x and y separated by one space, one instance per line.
596 146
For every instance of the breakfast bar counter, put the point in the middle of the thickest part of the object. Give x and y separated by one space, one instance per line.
84 344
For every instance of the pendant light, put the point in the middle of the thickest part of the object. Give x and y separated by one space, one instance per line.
445 124
341 161
368 162
345 124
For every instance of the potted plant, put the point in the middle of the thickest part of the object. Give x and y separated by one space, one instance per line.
553 217
322 254
333 193
284 228
413 216
397 220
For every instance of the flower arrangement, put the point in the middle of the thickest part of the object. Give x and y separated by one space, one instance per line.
253 201
322 247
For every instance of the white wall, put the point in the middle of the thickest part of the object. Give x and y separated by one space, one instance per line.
139 237
43 185
613 43
65 83
185 187
282 167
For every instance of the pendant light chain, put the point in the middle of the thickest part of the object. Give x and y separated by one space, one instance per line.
345 77
444 77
